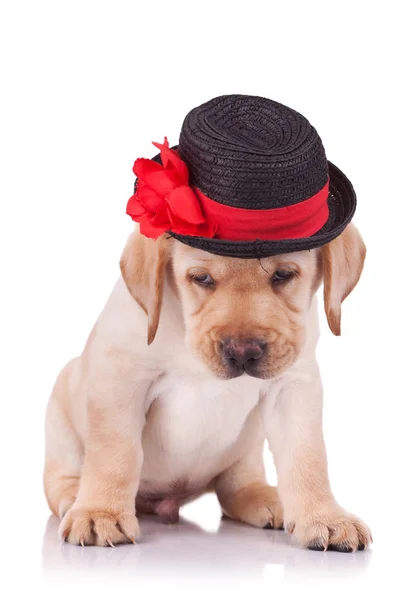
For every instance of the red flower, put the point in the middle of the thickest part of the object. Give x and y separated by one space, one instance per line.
164 200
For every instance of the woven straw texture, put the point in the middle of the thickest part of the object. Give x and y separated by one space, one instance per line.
250 152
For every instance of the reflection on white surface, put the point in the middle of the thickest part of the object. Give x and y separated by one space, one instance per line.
234 551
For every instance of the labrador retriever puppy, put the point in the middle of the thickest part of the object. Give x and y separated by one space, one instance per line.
195 360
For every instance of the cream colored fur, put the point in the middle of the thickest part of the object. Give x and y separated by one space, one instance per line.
133 427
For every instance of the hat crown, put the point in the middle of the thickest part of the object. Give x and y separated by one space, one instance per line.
252 152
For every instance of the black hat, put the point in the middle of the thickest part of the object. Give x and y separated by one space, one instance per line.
248 179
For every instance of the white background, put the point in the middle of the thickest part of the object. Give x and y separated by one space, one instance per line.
86 86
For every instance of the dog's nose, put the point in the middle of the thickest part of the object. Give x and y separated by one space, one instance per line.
242 353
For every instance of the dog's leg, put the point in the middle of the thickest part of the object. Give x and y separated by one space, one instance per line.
104 511
64 450
244 494
293 423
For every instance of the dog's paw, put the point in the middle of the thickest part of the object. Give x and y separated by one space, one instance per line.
95 527
330 530
258 505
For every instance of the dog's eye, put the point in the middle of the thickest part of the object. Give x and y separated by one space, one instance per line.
281 276
203 279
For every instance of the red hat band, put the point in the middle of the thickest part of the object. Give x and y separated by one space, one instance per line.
164 201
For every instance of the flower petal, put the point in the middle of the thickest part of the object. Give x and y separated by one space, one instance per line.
183 228
148 229
170 157
161 218
156 176
134 209
183 202
148 198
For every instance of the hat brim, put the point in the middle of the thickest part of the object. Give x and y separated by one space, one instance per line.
342 204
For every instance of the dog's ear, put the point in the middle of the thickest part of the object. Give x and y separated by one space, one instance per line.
143 263
342 264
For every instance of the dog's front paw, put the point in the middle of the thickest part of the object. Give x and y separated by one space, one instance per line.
96 527
332 529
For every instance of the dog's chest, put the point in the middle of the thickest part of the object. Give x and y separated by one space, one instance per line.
191 425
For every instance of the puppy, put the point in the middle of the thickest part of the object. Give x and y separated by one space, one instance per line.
195 360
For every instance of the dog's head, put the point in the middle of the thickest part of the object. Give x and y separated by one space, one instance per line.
243 315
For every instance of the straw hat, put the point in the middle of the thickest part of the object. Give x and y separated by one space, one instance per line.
248 179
